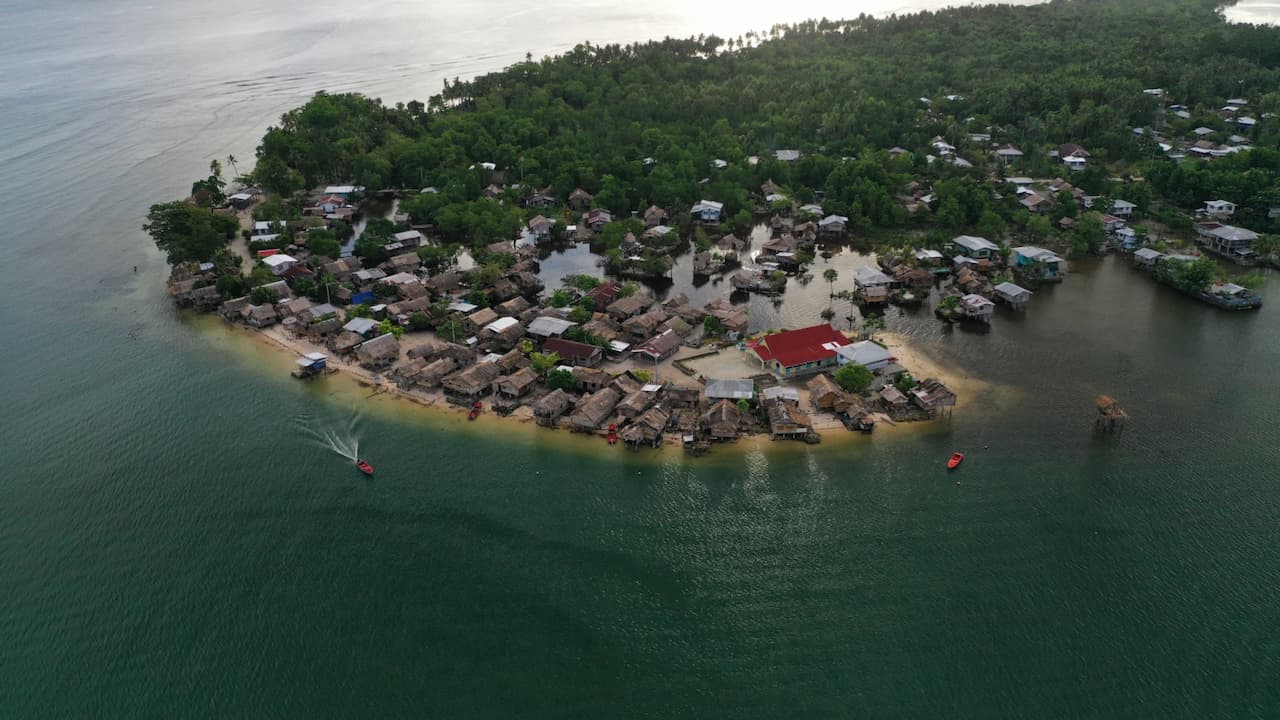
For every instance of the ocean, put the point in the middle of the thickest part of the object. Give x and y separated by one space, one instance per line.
179 537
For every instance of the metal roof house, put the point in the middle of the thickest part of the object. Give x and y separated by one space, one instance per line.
873 356
978 248
730 389
1015 295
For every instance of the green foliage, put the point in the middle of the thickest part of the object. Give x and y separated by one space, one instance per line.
841 91
377 232
263 296
1089 236
744 407
542 363
1253 280
584 283
903 381
363 310
1189 275
478 297
437 257
712 326
189 232
643 376
580 315
562 380
419 321
853 377
323 242
261 275
559 299
386 326
231 286
451 330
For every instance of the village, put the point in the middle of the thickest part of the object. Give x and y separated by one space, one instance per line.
603 354
595 356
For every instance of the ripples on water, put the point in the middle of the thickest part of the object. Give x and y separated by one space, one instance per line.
171 540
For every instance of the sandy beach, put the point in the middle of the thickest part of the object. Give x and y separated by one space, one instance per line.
359 385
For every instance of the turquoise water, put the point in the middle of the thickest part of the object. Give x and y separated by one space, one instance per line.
176 542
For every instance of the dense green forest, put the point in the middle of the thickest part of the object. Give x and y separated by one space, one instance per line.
641 124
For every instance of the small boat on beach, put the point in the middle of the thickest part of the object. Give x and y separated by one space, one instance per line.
364 467
955 460
475 410
613 434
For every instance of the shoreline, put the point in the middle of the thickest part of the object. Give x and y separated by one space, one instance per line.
436 411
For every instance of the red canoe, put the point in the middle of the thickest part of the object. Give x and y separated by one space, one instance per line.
364 467
475 410
613 433
954 462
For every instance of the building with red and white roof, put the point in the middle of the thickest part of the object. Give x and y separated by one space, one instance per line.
800 352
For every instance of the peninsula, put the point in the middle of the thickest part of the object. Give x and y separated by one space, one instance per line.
969 155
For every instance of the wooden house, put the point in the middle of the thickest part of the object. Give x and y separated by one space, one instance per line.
594 410
629 306
636 402
573 353
472 382
643 326
824 394
721 420
548 410
786 421
590 379
379 352
517 384
580 199
647 429
932 396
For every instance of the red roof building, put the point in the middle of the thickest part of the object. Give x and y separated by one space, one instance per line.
798 352
604 294
573 353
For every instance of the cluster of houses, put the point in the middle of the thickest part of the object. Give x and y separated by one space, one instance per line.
1234 118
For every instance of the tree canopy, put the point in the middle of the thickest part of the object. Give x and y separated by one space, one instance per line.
188 232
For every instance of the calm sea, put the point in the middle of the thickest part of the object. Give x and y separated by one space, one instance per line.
177 540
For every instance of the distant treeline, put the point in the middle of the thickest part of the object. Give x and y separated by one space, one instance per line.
840 92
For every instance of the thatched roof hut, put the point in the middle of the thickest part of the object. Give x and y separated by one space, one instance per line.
594 410
378 352
547 410
824 394
647 429
635 403
721 420
517 384
474 381
436 371
786 420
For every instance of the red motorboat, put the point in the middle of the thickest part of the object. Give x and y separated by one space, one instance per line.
613 433
364 467
475 410
954 462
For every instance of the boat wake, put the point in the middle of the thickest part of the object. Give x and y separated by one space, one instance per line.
339 435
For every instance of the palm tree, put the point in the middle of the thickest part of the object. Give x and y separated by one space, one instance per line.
231 160
830 275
